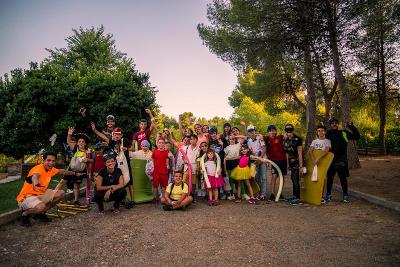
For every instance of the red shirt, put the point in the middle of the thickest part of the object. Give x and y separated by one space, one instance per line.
160 161
99 163
275 149
140 136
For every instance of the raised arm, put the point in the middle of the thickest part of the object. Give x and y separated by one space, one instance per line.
152 124
99 134
181 130
70 143
243 123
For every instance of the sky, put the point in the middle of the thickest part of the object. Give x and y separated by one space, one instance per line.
160 35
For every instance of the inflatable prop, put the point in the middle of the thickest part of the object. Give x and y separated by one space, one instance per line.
311 192
142 184
187 161
280 188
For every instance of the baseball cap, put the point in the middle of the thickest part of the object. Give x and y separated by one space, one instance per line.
271 127
212 130
117 130
251 128
110 117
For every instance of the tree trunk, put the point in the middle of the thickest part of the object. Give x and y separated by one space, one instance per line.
311 110
382 96
344 96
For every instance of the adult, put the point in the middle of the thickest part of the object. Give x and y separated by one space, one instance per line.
34 197
226 133
120 147
256 144
293 146
276 153
144 133
339 140
81 161
110 184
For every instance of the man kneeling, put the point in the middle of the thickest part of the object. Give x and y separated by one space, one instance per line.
176 195
109 184
34 197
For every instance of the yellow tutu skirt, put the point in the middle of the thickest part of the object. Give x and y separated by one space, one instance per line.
241 173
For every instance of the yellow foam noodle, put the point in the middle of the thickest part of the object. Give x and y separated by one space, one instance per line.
55 215
67 212
254 185
312 191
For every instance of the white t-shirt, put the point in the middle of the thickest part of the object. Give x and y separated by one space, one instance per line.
232 151
321 144
256 145
211 167
192 154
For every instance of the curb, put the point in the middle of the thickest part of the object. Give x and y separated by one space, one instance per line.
372 199
13 215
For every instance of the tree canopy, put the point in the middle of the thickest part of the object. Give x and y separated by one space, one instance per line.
89 72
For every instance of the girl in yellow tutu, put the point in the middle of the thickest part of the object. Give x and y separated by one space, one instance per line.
243 173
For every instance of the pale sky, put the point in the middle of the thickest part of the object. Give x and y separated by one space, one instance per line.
160 35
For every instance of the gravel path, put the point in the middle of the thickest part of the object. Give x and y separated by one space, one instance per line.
356 234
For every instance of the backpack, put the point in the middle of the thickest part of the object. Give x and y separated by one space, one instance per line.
172 187
77 164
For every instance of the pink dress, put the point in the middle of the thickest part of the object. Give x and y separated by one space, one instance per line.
215 182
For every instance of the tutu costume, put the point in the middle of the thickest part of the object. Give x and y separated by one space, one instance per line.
242 171
215 181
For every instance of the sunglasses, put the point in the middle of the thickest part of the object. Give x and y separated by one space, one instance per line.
288 130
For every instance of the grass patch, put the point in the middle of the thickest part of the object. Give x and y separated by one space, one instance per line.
9 191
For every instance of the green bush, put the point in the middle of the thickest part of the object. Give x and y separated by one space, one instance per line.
4 162
393 140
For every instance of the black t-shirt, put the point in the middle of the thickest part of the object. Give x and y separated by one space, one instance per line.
110 178
291 145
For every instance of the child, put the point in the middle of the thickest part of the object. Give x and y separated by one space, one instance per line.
232 155
321 143
276 153
176 195
211 168
144 133
242 172
160 175
192 152
293 145
99 161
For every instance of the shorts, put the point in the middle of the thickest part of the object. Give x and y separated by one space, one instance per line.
186 177
30 202
160 179
282 165
72 179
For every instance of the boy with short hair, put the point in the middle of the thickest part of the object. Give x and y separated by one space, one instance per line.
276 153
160 174
144 133
321 143
176 195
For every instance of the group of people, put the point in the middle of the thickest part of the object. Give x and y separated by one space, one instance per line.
224 165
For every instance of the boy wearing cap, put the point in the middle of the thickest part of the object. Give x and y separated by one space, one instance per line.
276 153
257 145
293 146
120 147
144 132
339 140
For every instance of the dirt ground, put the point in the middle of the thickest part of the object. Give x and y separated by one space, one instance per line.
379 176
356 234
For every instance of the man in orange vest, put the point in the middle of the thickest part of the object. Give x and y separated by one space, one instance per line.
34 197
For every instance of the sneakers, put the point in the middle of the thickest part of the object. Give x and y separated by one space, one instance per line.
328 198
252 201
77 203
272 197
238 199
261 197
25 221
129 205
116 210
43 218
323 201
245 196
295 202
346 199
231 197
210 203
281 197
167 207
222 196
216 203
101 211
